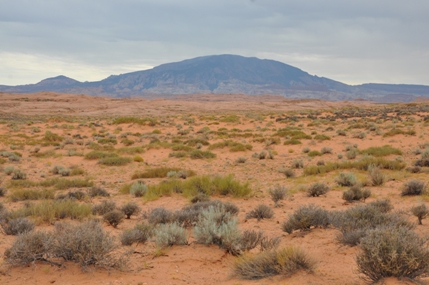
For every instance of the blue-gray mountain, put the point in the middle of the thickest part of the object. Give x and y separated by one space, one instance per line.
225 74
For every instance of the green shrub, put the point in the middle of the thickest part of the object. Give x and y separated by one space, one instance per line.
30 194
306 217
199 154
292 142
284 262
320 137
298 163
169 235
394 132
135 120
381 151
51 137
160 172
99 155
115 161
314 153
392 251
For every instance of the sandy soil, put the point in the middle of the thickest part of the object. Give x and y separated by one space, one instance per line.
70 115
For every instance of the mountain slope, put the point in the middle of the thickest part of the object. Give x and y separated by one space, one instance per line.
220 74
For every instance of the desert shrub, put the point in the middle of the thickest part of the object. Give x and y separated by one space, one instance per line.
298 163
170 234
383 205
288 172
241 159
3 191
277 194
130 209
392 251
115 161
76 195
114 218
376 176
98 192
8 170
284 262
135 120
354 223
17 226
341 132
99 155
57 168
306 217
394 132
86 244
381 151
139 234
292 142
51 137
30 247
356 193
260 212
320 137
138 189
200 197
77 171
413 187
200 154
160 216
352 153
420 211
18 174
326 150
104 207
30 194
306 149
217 226
346 179
314 153
317 189
63 183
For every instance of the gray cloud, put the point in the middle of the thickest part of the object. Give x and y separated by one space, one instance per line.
361 41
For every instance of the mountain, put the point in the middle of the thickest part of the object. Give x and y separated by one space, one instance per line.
225 74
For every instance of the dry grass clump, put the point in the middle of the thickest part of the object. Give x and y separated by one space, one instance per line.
306 217
115 161
381 151
99 155
317 189
73 195
346 179
260 212
138 189
160 172
394 132
377 178
30 194
284 262
392 251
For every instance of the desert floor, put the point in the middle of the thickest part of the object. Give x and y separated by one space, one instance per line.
85 124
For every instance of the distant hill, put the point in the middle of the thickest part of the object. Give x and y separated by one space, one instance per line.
225 74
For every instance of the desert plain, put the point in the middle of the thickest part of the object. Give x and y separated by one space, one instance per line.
58 144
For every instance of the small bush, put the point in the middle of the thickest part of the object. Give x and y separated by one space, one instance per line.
297 164
17 226
320 137
18 174
420 211
392 251
8 170
326 150
76 195
98 192
199 154
170 234
306 149
99 155
130 209
138 189
306 217
260 212
30 194
3 191
284 262
241 159
201 197
413 187
288 172
160 172
381 151
346 179
160 216
277 194
376 176
114 218
139 234
314 153
317 189
356 193
103 208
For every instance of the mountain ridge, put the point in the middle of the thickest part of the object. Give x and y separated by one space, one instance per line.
225 74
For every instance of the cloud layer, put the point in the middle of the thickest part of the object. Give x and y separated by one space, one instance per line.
363 41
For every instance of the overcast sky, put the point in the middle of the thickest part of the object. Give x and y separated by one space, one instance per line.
346 40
